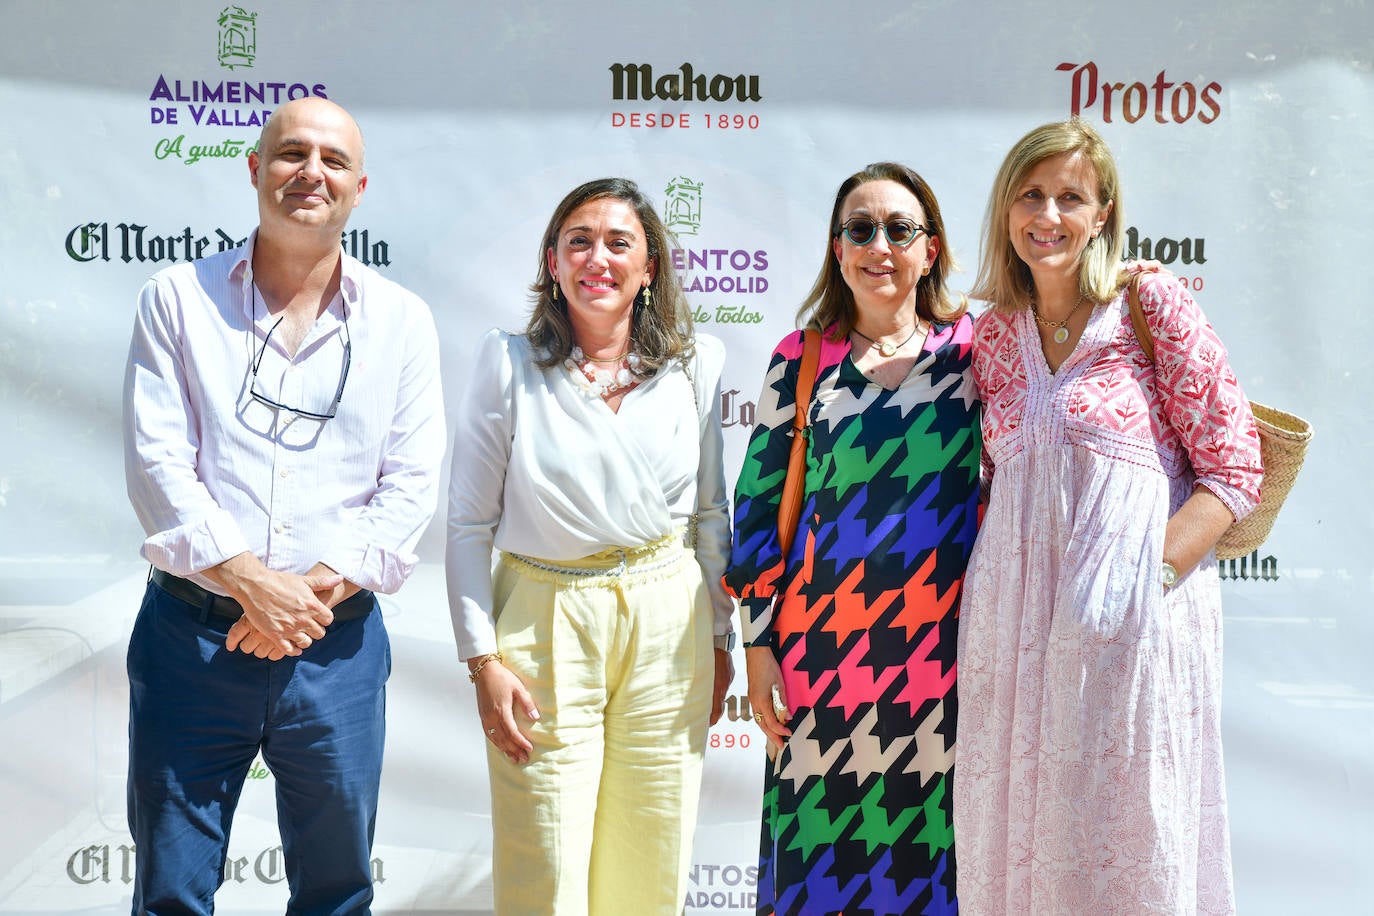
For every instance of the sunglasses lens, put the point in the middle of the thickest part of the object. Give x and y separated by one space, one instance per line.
901 232
861 231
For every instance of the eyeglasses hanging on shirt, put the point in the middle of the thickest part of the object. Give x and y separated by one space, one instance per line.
299 411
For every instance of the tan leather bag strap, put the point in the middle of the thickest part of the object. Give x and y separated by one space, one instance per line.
794 486
1142 327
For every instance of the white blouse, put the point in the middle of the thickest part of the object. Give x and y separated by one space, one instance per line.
542 467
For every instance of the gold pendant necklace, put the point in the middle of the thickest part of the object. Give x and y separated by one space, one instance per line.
885 347
1061 329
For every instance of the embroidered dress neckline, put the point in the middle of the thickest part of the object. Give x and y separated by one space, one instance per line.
1090 341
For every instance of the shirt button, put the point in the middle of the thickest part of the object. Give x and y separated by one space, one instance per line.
285 472
279 527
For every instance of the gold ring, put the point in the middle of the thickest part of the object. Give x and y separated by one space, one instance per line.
491 731
758 717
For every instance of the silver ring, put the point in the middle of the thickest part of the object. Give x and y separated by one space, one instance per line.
491 731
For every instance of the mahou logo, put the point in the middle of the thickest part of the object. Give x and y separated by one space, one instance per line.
637 82
1168 101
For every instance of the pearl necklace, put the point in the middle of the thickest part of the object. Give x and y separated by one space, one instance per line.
1061 330
885 347
603 382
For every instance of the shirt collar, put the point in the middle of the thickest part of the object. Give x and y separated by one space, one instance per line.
350 277
243 272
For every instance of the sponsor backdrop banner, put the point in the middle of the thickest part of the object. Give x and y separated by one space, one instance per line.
1242 131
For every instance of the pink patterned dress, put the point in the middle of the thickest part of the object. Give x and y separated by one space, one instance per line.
1088 775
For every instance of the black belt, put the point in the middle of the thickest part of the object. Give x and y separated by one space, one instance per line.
357 605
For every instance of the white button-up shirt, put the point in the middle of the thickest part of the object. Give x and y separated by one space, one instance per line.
212 472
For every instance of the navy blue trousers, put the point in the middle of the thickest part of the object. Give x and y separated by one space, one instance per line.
198 716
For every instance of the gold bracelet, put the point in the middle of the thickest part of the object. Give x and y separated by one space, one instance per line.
486 660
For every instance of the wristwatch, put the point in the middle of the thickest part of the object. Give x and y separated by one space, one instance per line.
1167 575
726 641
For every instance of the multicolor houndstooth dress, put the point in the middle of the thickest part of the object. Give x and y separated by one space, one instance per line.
856 812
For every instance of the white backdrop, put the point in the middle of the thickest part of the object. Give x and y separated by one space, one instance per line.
1242 131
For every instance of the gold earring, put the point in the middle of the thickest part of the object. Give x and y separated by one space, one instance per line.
555 289
648 298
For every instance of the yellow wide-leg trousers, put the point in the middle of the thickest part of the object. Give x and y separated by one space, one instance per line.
620 665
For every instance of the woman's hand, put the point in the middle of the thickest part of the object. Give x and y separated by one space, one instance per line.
767 696
1194 529
725 674
499 692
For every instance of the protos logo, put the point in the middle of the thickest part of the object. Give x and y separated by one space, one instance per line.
1170 102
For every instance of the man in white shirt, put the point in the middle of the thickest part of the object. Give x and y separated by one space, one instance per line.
283 434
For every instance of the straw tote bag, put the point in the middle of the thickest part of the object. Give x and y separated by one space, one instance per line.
1283 446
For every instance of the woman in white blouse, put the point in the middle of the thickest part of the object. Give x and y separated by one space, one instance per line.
589 454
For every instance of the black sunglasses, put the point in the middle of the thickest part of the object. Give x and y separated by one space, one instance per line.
343 376
900 232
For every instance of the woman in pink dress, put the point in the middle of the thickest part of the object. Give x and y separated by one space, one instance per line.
1089 773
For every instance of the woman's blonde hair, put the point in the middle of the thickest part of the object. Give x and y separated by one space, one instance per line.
1003 278
831 301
